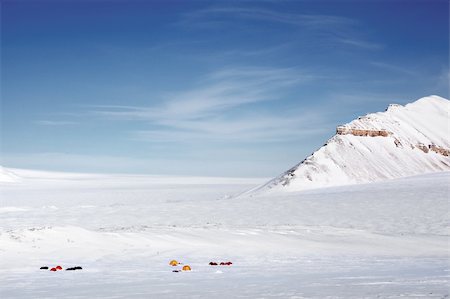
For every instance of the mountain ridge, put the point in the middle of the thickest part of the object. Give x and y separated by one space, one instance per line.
401 141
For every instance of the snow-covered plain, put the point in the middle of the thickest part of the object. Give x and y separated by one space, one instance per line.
385 240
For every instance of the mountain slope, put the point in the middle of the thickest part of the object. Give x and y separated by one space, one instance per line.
402 141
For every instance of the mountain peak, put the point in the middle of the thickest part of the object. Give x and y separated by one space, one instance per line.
402 141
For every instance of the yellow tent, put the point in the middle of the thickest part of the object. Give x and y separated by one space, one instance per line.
173 263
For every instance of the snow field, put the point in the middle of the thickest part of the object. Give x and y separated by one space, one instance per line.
385 239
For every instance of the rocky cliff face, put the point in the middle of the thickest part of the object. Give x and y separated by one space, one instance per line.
342 130
402 141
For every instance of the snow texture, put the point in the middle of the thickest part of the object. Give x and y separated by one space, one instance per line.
7 176
386 240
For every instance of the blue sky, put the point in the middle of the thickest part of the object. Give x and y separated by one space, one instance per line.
214 88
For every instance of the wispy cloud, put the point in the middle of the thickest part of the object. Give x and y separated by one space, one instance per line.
360 44
255 52
394 68
219 109
334 29
310 20
219 91
55 122
260 128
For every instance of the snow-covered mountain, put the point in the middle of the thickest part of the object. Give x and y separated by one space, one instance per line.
402 141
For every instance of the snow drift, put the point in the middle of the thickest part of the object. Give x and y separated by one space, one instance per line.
7 176
402 141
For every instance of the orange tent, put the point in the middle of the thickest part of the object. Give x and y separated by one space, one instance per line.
186 268
173 263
